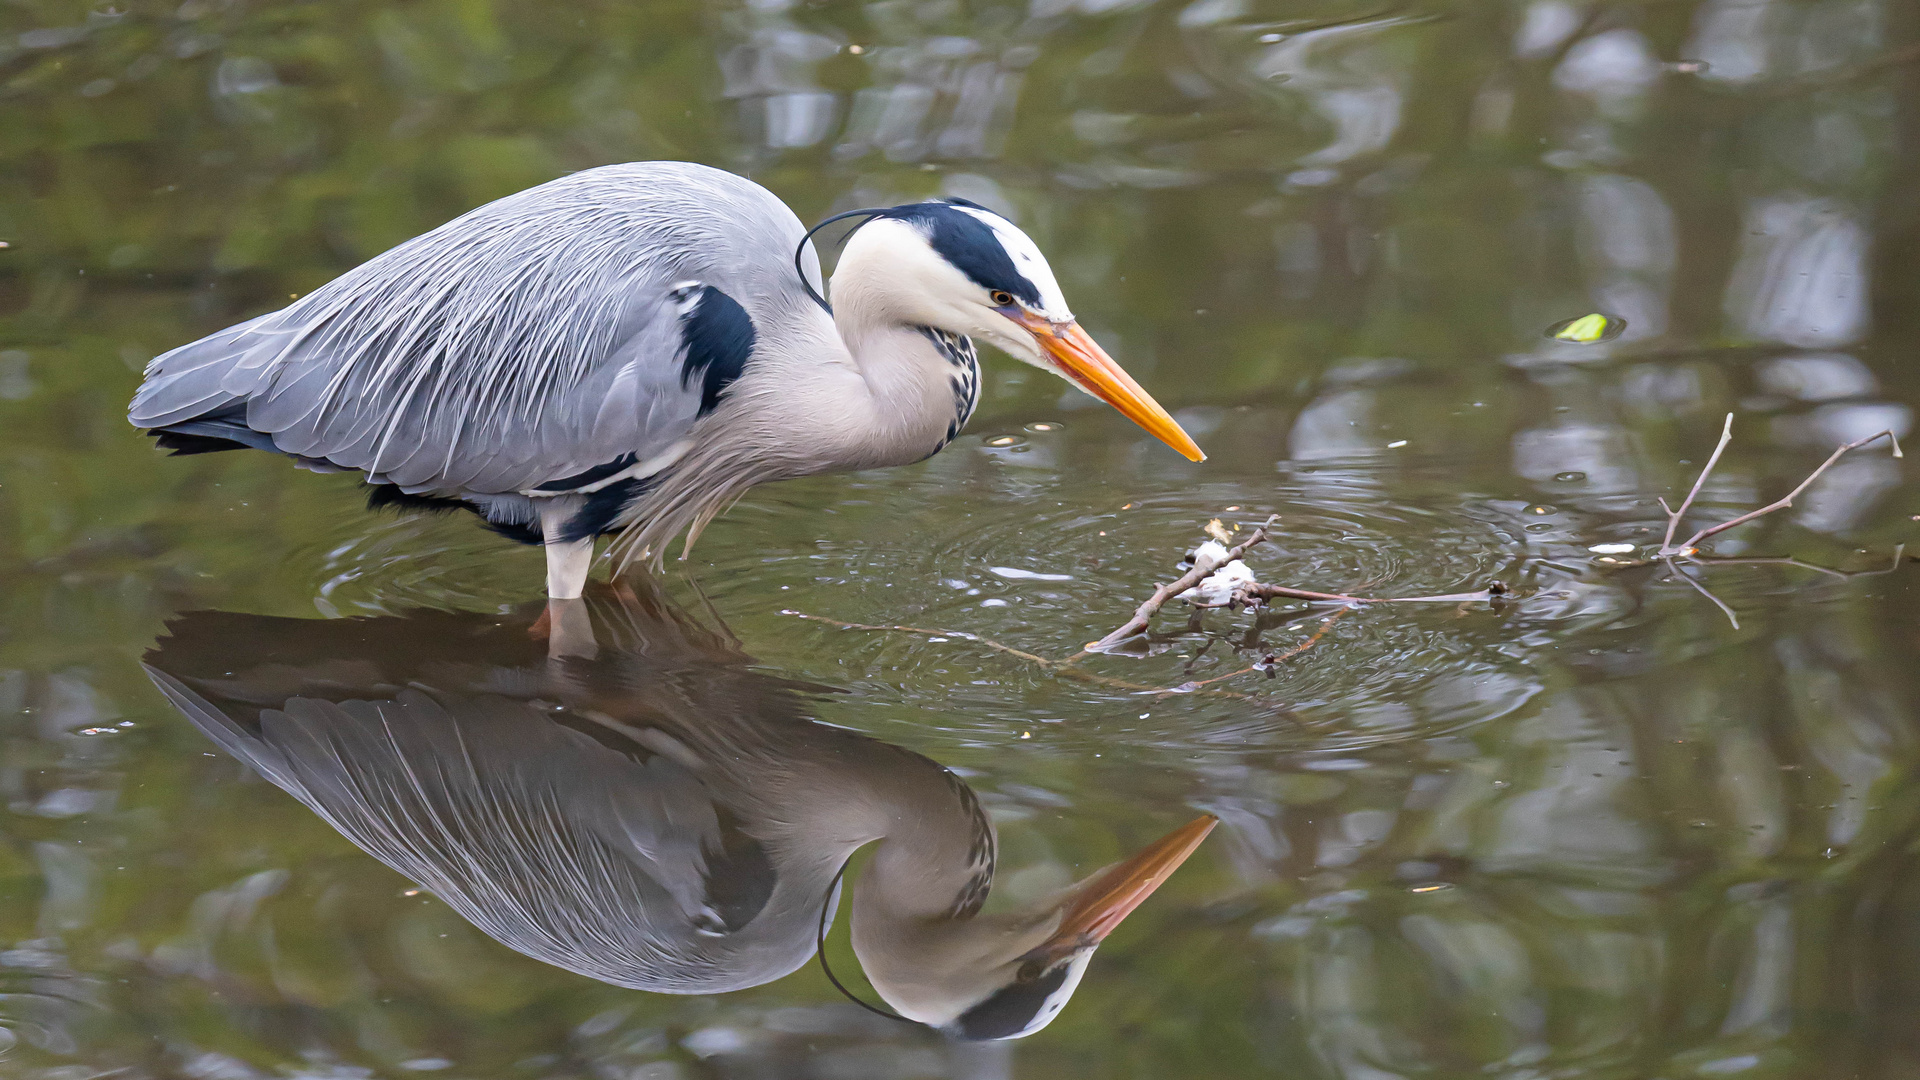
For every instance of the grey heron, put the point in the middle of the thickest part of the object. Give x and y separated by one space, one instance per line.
629 349
643 807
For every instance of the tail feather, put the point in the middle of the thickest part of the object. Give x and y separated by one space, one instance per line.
206 378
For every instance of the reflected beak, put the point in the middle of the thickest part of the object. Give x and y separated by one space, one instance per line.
1112 895
1082 360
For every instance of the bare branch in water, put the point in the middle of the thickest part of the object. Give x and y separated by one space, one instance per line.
1672 554
1693 543
1674 516
1255 593
1203 568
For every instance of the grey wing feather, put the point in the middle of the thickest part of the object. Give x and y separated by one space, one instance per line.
527 340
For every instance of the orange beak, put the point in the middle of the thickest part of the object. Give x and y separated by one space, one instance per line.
1112 896
1082 360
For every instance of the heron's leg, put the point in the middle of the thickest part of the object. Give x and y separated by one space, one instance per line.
567 562
567 566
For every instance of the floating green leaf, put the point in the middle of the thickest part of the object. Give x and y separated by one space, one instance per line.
1588 329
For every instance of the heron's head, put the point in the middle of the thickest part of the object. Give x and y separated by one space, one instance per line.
1007 977
956 266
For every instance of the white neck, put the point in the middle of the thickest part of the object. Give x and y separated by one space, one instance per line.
867 388
918 395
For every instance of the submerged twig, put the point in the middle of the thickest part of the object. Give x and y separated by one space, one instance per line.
1061 667
1899 552
1266 664
1704 591
1257 591
1032 658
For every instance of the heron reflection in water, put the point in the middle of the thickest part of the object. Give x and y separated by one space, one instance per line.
631 801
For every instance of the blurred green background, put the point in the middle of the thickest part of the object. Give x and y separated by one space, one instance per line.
1329 236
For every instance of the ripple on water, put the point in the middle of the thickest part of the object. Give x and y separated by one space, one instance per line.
377 564
1068 559
1044 560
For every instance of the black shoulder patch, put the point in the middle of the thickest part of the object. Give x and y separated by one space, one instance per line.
720 337
603 507
969 244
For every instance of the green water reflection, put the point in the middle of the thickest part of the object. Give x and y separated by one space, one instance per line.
1597 831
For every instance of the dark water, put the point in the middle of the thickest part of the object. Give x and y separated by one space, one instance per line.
1596 830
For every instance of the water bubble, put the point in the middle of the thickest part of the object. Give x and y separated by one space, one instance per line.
98 731
1542 509
1043 427
1539 527
1003 440
1569 477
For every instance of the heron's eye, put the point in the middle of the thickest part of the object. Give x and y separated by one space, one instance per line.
1001 298
1031 970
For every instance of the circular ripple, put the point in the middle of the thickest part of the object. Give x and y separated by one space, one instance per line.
378 564
1045 563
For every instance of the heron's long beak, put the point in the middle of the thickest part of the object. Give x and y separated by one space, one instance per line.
1113 895
1082 359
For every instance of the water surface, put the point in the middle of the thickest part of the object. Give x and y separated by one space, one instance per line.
1595 830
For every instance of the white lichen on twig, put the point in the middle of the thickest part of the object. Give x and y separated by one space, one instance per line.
1219 579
